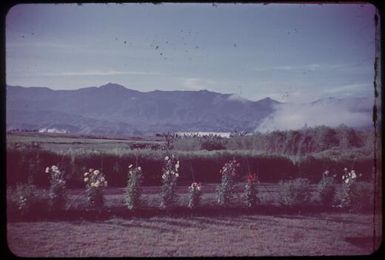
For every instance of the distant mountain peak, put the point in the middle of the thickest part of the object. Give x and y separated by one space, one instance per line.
236 97
269 100
113 85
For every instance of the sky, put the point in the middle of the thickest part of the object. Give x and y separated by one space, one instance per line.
289 52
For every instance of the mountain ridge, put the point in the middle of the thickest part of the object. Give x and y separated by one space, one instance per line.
114 109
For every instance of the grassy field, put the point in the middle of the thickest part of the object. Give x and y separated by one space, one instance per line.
79 144
244 235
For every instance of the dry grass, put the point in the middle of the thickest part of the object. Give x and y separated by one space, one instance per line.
247 235
267 231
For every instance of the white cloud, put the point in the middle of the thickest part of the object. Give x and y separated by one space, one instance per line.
348 67
347 88
235 97
295 116
100 73
197 83
48 43
310 67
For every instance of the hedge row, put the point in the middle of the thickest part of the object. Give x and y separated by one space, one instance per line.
24 165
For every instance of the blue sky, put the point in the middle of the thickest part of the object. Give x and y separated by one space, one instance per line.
289 52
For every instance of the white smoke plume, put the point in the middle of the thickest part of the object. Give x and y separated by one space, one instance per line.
329 112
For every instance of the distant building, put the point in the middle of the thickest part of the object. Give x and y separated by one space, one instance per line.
199 134
53 130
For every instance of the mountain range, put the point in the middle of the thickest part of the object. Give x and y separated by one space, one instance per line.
112 109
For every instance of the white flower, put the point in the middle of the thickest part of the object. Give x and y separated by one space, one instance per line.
199 187
97 184
343 177
139 168
102 179
47 170
166 158
85 174
85 179
130 166
91 170
345 169
176 175
54 168
96 172
164 176
326 172
92 184
347 180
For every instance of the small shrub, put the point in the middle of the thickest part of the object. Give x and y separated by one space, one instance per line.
294 193
326 190
212 144
251 191
225 190
95 183
195 193
27 199
351 192
169 179
134 189
57 190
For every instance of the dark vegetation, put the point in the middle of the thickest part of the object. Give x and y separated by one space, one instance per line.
292 142
289 197
275 156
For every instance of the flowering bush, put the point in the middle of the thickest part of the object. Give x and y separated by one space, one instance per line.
294 192
225 190
169 178
95 182
194 195
326 190
57 190
348 192
134 189
251 191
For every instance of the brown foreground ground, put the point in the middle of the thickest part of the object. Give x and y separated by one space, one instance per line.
248 235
